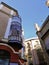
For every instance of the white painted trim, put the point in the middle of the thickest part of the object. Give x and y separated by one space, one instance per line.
8 28
11 12
10 48
21 62
1 6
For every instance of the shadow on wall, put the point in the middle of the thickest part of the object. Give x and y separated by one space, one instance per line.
38 57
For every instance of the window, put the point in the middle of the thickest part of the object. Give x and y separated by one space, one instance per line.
4 57
4 61
16 18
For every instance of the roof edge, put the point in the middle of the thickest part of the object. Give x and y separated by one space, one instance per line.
45 22
9 7
33 38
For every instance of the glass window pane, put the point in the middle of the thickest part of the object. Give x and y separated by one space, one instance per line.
4 61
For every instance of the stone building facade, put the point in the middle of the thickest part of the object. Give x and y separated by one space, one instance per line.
43 35
33 51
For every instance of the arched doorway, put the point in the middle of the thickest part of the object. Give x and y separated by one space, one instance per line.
4 57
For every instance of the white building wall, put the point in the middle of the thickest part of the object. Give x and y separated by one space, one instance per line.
34 53
34 44
8 26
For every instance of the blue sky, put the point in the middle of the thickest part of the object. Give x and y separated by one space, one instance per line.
31 11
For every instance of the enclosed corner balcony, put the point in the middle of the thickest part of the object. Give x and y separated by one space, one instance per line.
15 42
16 19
